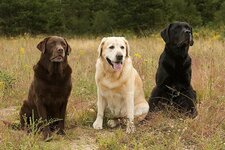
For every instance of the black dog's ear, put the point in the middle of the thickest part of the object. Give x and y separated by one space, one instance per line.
165 34
68 48
42 45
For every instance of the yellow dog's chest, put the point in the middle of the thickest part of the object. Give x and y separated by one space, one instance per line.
115 103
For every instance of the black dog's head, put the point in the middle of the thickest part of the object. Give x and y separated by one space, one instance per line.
178 34
54 48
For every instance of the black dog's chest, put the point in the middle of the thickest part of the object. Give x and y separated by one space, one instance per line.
177 74
178 70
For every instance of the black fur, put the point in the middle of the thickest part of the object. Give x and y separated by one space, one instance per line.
173 77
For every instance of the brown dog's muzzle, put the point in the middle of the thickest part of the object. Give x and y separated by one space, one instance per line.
58 55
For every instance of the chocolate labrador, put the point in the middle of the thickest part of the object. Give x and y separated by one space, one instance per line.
51 86
173 77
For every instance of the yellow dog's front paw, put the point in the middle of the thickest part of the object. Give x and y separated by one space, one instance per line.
130 127
112 123
97 124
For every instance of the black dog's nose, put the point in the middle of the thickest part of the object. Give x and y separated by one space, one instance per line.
188 31
119 57
60 50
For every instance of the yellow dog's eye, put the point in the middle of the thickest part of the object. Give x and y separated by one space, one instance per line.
122 47
112 47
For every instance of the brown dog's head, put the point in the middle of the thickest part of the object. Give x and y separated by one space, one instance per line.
54 48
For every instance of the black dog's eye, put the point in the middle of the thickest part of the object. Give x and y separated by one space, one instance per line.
187 27
112 47
122 47
177 27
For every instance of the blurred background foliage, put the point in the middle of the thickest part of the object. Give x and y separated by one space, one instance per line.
96 17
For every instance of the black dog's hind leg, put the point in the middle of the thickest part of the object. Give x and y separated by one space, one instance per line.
187 103
158 99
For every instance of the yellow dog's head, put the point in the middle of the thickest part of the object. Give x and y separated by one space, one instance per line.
114 50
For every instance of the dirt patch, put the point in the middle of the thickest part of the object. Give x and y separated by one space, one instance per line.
82 105
84 142
7 112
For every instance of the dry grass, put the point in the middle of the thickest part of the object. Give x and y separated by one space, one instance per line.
160 131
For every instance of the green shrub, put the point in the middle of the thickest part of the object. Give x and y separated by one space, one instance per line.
6 82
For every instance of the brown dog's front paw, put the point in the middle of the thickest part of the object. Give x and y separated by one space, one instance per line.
47 135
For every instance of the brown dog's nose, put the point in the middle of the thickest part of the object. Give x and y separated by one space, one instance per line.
60 50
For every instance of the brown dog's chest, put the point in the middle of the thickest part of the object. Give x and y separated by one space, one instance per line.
52 93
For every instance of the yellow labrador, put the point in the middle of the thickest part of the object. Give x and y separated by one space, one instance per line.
119 87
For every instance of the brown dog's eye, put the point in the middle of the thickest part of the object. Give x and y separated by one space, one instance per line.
52 43
122 47
111 47
63 43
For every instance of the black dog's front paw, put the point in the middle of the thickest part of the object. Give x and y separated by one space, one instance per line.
61 132
193 113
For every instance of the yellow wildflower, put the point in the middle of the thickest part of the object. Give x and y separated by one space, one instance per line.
81 52
216 37
196 35
2 86
137 55
22 51
26 67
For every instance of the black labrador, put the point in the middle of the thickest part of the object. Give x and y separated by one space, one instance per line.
173 77
51 86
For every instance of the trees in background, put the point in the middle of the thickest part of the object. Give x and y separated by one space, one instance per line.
104 16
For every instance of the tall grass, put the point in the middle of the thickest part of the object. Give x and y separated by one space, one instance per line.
160 131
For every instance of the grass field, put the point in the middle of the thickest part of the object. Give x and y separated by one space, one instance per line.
160 131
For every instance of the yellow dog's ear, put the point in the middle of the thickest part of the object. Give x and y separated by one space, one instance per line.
127 47
101 46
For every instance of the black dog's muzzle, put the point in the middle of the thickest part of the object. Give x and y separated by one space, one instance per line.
187 39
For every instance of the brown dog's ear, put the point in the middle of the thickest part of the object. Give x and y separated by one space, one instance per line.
68 48
42 45
165 34
101 46
127 47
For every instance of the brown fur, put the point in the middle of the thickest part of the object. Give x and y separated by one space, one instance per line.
51 86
